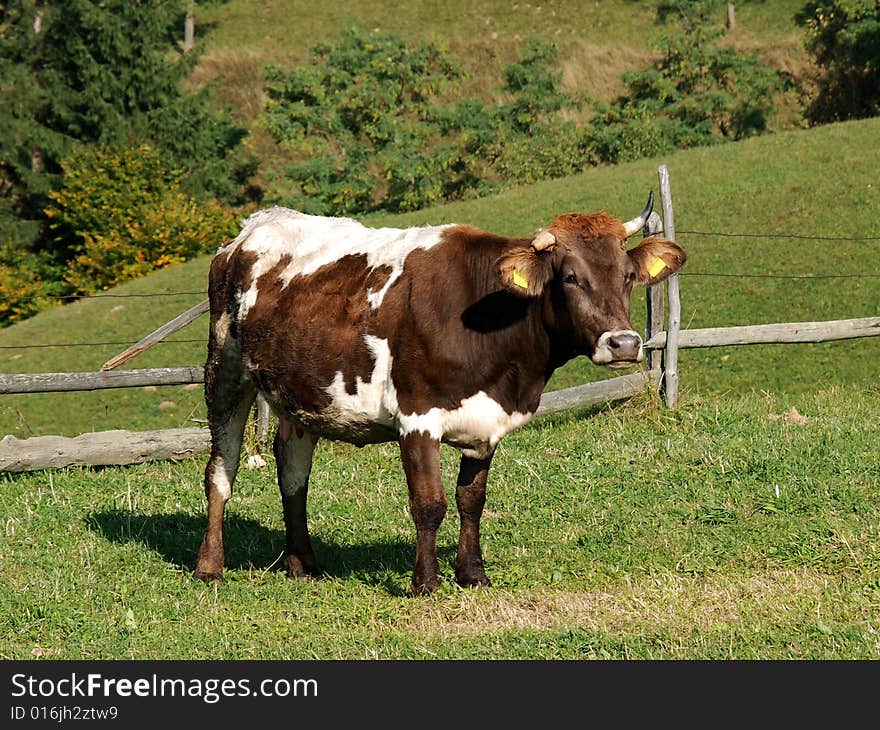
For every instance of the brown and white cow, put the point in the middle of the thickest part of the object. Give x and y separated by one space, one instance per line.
441 334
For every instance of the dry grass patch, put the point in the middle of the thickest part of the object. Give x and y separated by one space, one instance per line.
666 602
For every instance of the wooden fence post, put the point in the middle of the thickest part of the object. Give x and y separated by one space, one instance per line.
189 28
673 294
654 301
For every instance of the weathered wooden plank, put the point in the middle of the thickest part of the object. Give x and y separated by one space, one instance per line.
179 322
767 334
106 448
64 382
591 394
672 293
117 448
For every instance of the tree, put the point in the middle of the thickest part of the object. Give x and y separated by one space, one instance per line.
76 74
105 72
370 126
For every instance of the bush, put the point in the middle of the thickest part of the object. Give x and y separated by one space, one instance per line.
120 214
844 38
372 129
28 283
698 93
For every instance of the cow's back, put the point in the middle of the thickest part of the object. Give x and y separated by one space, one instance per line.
301 297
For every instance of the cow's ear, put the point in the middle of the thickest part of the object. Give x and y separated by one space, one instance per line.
654 259
525 271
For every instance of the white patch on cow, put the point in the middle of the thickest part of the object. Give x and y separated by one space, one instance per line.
478 422
315 241
603 355
372 402
479 419
220 480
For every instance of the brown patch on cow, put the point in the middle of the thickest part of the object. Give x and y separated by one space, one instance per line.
571 227
300 335
454 330
378 278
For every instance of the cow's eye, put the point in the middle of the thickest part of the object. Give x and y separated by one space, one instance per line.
570 279
629 277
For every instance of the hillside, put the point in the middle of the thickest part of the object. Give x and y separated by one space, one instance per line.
815 183
597 41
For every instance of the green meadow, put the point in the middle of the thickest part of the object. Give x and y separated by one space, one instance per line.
743 525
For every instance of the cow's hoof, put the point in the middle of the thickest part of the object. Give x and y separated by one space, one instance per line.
473 581
209 577
471 574
425 587
300 568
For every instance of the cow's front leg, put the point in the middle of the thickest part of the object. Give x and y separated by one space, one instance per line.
293 456
470 497
427 504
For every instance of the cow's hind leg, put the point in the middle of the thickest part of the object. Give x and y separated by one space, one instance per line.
427 503
229 401
470 497
293 455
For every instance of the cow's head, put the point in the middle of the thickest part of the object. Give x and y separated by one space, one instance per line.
581 263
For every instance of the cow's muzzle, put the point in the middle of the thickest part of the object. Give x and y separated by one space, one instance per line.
618 349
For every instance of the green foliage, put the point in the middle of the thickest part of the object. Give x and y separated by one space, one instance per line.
698 93
359 114
844 38
123 215
371 123
28 281
28 148
114 76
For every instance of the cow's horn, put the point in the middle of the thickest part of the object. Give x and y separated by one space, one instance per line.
636 224
544 241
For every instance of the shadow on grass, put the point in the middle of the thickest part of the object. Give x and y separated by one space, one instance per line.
250 545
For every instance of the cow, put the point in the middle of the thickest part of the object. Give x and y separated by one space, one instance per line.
424 335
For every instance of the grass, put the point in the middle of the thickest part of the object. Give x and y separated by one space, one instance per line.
744 525
723 530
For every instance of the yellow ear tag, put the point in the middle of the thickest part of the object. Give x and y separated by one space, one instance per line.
656 265
520 280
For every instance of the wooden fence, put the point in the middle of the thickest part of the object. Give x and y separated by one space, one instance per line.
662 345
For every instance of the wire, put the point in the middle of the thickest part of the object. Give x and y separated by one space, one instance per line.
782 276
93 344
805 236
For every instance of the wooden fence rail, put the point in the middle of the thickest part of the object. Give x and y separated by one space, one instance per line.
67 382
757 334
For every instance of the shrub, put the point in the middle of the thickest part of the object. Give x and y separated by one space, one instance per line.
698 93
28 282
371 126
844 38
120 214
